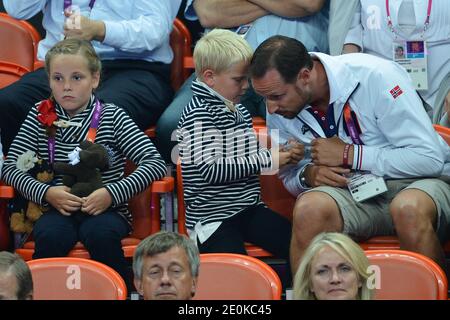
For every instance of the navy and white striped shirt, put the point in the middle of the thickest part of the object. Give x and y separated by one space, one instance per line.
220 159
116 131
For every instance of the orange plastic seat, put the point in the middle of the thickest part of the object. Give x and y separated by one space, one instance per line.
75 279
18 50
227 276
6 193
405 275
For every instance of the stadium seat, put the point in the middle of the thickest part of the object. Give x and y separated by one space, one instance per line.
18 50
145 209
75 279
227 276
6 193
405 275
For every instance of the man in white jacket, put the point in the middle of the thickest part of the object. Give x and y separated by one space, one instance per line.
357 113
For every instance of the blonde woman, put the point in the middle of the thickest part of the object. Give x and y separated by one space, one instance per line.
333 267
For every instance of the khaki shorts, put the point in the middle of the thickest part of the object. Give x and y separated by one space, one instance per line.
363 220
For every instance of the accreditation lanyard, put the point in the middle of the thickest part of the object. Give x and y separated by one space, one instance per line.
90 135
425 25
352 124
68 4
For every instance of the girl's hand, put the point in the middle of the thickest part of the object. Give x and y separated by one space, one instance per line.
62 200
97 202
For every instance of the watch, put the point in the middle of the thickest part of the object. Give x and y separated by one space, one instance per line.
302 177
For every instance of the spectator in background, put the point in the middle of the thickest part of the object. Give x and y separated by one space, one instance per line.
166 266
333 267
132 42
306 20
362 26
16 282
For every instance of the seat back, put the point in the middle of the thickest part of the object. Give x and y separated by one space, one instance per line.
180 42
18 52
75 279
227 276
405 275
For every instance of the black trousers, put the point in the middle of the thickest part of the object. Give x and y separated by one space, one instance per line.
259 225
141 88
55 235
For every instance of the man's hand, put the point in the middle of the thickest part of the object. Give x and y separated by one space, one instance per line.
97 202
62 200
329 152
79 27
325 176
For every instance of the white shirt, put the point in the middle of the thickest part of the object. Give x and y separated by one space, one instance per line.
310 30
370 31
137 30
399 139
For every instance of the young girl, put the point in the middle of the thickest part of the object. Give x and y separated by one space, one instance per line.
53 129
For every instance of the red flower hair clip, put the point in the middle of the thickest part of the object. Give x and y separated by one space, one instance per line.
47 116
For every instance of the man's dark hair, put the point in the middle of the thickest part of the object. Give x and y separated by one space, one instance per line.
286 55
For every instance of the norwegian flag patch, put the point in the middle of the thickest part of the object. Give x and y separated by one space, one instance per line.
396 92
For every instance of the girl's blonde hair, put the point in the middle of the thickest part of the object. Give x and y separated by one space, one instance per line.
219 49
75 47
345 247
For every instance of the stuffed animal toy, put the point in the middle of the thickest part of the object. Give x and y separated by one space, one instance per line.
82 174
23 212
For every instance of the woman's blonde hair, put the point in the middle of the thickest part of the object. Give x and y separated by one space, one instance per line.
75 47
219 49
345 247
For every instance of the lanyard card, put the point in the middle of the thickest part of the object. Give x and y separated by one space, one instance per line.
363 186
243 30
412 55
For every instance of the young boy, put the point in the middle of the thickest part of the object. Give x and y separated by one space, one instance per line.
220 157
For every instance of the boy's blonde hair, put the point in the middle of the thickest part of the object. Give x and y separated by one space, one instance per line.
218 50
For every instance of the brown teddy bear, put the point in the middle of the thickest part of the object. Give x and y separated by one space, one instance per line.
23 212
83 175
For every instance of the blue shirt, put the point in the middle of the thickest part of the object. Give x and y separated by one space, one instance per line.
138 30
311 30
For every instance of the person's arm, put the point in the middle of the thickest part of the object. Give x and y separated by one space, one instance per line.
202 144
24 9
150 26
353 41
138 148
227 13
26 140
290 8
414 149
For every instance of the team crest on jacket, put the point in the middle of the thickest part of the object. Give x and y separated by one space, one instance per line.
396 92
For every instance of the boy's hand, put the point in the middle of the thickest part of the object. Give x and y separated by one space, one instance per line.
296 149
280 157
97 202
62 200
